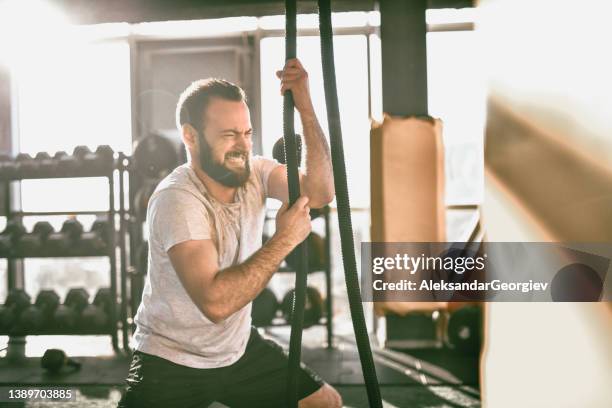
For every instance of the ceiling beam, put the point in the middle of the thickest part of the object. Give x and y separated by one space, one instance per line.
138 11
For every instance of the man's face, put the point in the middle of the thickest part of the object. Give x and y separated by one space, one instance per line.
225 155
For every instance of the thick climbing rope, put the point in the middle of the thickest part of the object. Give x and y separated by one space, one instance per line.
297 315
343 205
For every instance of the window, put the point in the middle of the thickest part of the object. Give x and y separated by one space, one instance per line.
456 94
73 94
80 96
352 81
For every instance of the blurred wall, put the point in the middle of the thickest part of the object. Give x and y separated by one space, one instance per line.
547 157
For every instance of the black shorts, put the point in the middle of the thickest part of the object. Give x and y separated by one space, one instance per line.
257 379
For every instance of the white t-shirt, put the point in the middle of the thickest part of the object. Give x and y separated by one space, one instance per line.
169 324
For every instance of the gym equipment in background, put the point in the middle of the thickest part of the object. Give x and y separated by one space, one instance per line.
55 359
344 212
103 239
10 236
39 316
417 329
313 307
95 317
16 302
316 254
66 316
264 308
464 329
157 155
35 241
82 162
97 238
278 150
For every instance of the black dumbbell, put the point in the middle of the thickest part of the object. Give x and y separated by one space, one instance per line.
278 151
96 239
264 308
101 160
34 243
316 254
66 316
39 316
10 237
464 329
16 302
155 155
313 307
46 164
67 238
25 165
54 360
104 157
66 164
96 316
81 153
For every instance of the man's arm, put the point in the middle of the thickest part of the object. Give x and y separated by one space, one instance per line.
219 293
317 181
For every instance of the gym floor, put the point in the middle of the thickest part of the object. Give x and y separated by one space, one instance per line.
423 378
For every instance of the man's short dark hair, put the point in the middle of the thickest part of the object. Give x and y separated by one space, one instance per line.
195 99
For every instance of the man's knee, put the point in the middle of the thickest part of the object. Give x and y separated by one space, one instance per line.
324 397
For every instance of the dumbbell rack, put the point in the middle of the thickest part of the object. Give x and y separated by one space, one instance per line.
119 164
326 320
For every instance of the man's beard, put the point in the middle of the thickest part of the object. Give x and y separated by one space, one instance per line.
218 171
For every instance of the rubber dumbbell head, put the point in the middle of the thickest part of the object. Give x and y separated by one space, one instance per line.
156 155
81 152
39 316
316 254
96 316
66 316
16 302
264 308
66 164
72 229
11 235
54 360
33 243
96 239
278 151
313 306
103 158
25 165
66 240
46 164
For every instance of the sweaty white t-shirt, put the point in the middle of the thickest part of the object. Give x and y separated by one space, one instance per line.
169 324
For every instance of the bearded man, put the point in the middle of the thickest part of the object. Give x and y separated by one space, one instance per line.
194 343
